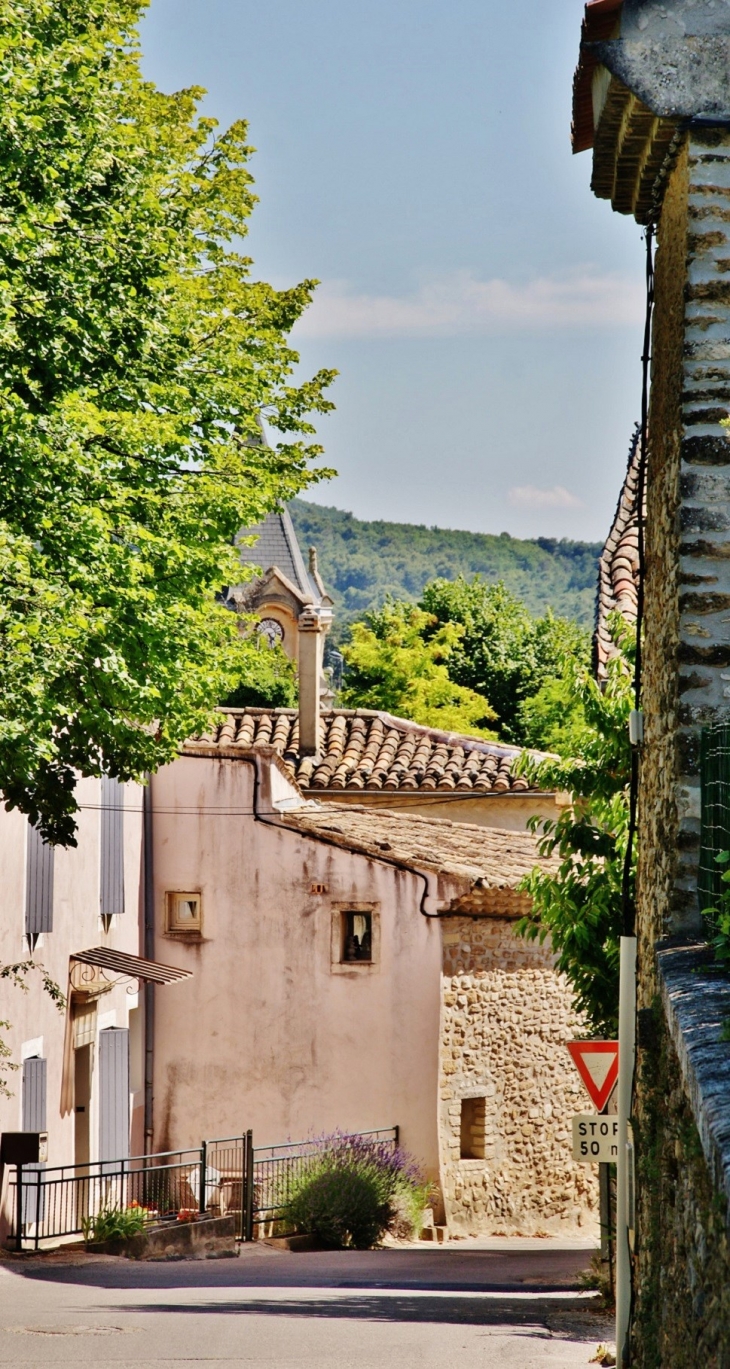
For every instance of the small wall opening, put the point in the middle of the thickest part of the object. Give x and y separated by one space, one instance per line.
473 1126
357 929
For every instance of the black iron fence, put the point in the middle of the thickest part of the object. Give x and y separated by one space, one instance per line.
276 1170
223 1177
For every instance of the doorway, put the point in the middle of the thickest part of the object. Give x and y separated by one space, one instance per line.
82 1102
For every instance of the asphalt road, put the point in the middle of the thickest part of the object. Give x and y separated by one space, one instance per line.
515 1304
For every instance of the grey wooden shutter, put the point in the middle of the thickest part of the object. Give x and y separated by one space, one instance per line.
38 884
113 1093
112 847
34 1094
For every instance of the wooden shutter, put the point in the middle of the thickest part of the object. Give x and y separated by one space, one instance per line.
38 884
113 1093
34 1094
112 847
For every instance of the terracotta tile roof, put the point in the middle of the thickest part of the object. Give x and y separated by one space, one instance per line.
362 749
600 21
482 865
618 566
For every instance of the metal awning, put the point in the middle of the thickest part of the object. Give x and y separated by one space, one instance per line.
135 966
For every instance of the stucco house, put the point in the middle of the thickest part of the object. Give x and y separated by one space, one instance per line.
356 969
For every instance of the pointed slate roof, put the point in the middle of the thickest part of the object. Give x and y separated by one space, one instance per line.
277 545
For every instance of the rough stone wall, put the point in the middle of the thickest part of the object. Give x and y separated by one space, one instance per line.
658 809
682 1252
683 1266
505 1017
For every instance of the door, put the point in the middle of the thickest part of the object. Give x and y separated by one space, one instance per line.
114 1093
82 1099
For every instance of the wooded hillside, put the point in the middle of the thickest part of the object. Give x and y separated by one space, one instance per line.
362 562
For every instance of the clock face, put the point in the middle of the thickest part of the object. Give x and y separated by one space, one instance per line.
271 630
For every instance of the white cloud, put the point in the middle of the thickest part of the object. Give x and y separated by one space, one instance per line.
530 497
455 304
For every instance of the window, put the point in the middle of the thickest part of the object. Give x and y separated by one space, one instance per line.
357 939
473 1127
38 887
184 914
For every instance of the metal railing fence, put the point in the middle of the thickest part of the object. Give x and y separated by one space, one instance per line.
226 1176
277 1168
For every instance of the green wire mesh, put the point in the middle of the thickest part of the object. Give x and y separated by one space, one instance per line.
715 797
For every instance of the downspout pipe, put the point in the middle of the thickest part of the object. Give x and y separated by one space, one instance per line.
149 951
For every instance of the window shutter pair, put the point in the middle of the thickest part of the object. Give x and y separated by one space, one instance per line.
111 892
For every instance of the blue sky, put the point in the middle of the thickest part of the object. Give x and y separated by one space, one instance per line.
482 307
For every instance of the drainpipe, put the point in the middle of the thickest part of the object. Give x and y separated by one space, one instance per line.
624 1167
149 951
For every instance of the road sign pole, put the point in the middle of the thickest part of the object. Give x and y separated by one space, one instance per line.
626 1057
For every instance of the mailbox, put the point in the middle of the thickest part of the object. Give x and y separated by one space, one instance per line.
23 1148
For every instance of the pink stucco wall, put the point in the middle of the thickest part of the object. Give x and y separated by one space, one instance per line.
266 1034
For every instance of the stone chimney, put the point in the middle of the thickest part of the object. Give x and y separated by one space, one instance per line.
311 637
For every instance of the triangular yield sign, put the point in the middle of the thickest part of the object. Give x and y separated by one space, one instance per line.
597 1065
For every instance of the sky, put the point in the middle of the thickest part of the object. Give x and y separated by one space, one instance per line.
483 309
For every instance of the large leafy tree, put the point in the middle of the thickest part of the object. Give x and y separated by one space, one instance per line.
137 358
578 903
393 665
504 652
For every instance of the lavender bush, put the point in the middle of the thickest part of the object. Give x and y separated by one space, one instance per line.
352 1189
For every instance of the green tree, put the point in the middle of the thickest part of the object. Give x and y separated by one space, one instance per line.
393 665
503 652
579 902
17 975
137 358
270 679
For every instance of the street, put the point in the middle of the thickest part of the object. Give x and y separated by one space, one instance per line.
470 1304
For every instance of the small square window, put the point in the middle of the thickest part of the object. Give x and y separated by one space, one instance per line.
184 913
473 1128
357 938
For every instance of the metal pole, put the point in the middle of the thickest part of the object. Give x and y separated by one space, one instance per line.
203 1169
604 1192
149 950
626 1058
249 1187
19 1207
37 1208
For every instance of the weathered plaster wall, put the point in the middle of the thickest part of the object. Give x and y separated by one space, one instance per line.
268 1034
505 1018
510 812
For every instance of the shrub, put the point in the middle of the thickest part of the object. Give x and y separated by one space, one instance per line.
351 1190
114 1222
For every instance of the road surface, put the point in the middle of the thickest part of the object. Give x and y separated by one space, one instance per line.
475 1305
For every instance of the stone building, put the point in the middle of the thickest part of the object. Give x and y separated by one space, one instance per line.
652 100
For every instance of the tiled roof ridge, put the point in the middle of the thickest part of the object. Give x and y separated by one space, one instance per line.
482 744
365 750
618 564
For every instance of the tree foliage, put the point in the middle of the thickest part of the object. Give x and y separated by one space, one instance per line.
579 904
137 356
17 975
393 665
270 678
503 652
